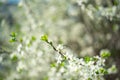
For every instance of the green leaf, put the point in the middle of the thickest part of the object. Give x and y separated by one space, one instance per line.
13 34
87 59
53 65
62 64
21 40
89 79
33 38
95 59
102 70
13 37
116 2
44 38
105 53
46 78
14 58
97 72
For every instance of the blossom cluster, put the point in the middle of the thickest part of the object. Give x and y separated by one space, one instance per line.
81 24
60 64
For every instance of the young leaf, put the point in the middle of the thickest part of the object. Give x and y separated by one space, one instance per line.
13 34
33 38
44 38
87 59
13 37
105 54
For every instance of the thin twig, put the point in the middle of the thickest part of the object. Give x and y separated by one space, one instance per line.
54 48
